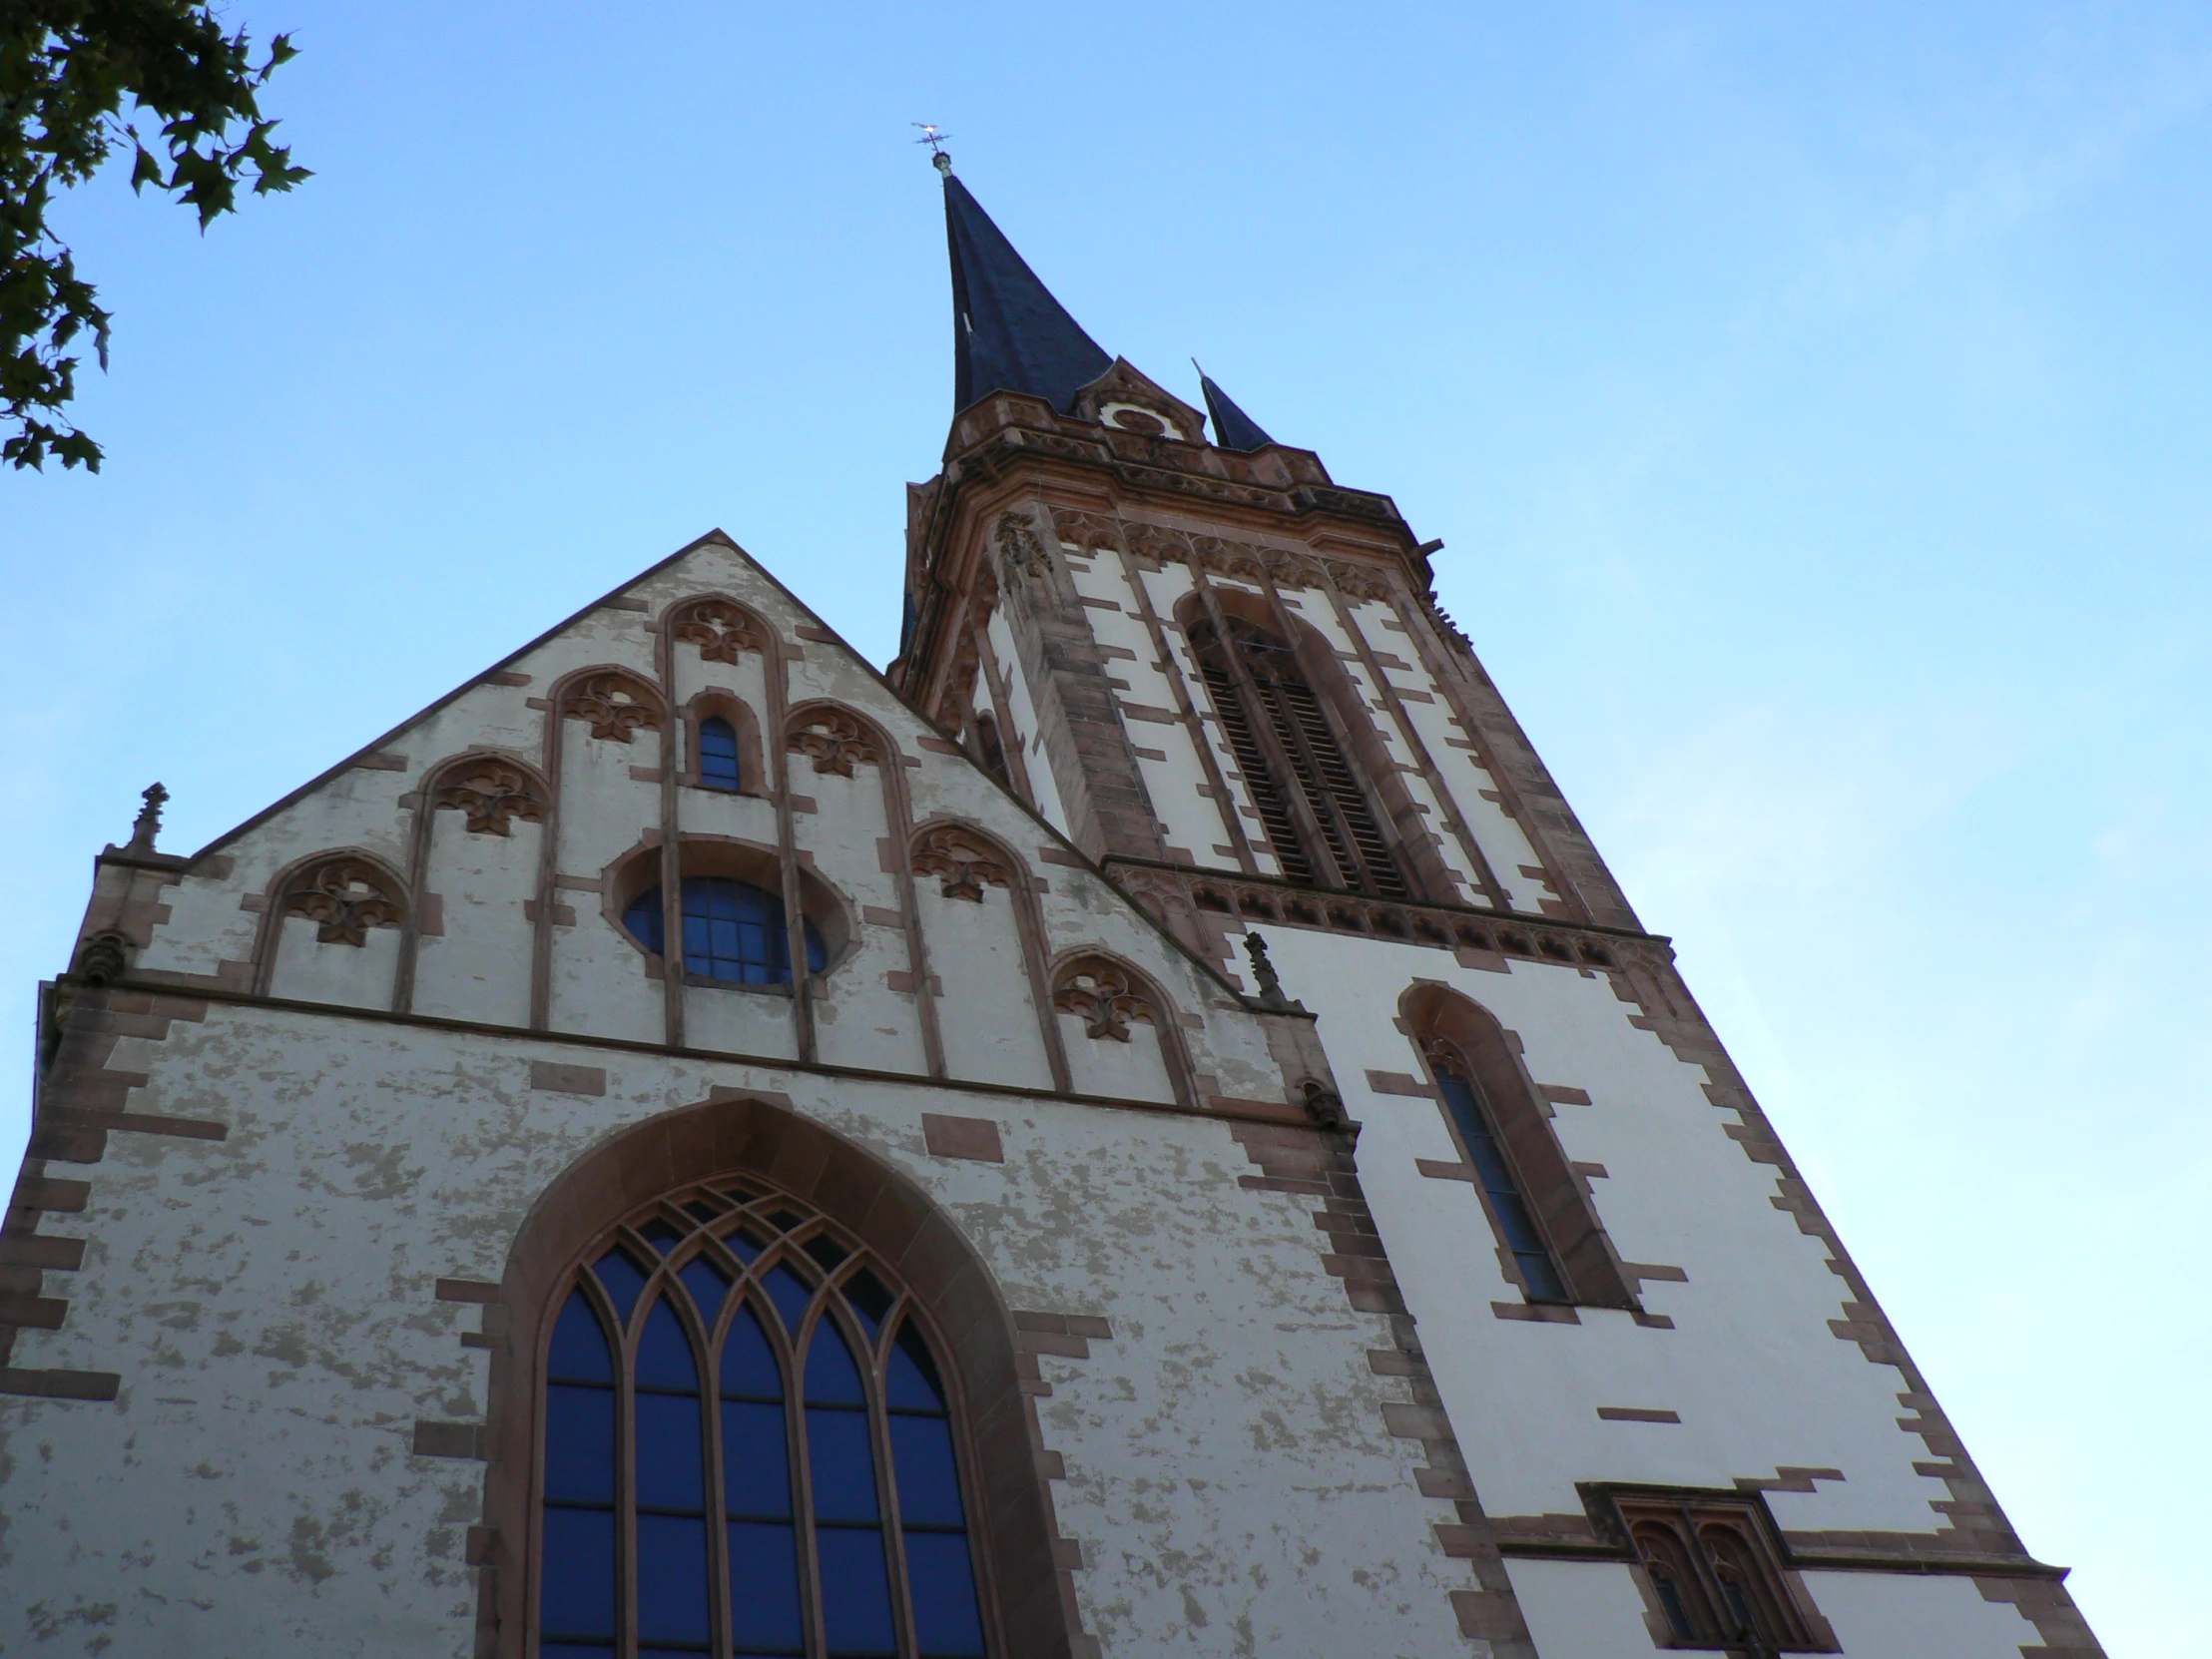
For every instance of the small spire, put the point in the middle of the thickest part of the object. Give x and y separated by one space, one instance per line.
1271 984
1233 428
149 821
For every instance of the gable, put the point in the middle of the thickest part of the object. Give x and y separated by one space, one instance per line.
495 858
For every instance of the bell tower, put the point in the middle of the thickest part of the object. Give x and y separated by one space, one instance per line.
1202 656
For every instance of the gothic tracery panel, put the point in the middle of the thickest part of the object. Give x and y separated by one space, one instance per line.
490 794
835 740
966 862
719 628
344 897
616 703
1103 994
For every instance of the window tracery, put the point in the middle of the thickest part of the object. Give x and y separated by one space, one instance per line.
965 860
615 702
491 794
1716 1573
748 1447
345 897
1104 995
835 740
719 628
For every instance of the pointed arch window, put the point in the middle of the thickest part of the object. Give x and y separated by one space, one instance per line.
1494 1173
1716 1571
749 1450
718 754
1307 791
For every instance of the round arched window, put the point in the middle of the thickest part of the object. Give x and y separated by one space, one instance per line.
733 931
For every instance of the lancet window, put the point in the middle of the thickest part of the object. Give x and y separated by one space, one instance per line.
748 1450
1306 789
1501 1187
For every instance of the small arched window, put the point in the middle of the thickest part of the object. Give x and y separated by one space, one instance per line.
733 931
991 751
748 1450
1713 1569
718 754
1284 743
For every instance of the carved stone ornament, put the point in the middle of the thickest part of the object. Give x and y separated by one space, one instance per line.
1019 552
968 863
1088 531
1099 992
346 898
1355 583
103 958
493 794
837 741
616 703
719 629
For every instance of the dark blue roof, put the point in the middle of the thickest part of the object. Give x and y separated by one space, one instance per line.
1233 428
1008 333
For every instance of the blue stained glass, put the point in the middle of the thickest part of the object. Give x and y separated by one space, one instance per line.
661 1236
718 754
763 1588
672 1578
912 1383
671 1462
855 1591
1538 1271
747 1245
579 1598
756 1460
790 1294
579 1350
733 931
665 1353
749 1367
868 1299
842 1464
929 1480
569 1650
830 1376
707 1285
941 1578
579 1444
622 1279
645 921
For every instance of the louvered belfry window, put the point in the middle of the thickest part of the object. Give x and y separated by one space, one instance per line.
1289 758
748 1450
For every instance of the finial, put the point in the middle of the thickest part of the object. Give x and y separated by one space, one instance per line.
1271 984
149 821
936 140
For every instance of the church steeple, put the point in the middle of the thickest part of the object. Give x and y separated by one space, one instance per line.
1008 333
1233 428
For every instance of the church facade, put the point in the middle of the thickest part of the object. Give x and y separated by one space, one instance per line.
1148 1128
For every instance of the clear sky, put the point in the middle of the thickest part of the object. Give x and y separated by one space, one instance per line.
1814 403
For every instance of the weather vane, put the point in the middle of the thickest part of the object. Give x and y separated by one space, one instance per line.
936 140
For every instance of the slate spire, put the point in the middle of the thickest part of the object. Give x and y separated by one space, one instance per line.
1008 333
1233 428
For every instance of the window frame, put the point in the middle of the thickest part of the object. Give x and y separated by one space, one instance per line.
1629 1514
746 1287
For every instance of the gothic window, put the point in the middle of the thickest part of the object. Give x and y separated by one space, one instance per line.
1516 1227
749 1450
733 931
1538 1205
718 754
991 751
1716 1574
1291 759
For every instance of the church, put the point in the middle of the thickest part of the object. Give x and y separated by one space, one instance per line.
1145 1128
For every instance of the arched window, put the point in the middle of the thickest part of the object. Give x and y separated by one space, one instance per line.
1716 1574
718 754
733 931
748 1450
1471 1116
991 751
1284 743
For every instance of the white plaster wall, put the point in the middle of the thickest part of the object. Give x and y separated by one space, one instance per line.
1581 1610
740 1019
1132 1070
1027 733
478 968
1888 1616
270 1301
1751 1367
985 1012
356 976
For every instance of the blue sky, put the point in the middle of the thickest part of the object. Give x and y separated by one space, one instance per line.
1814 404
